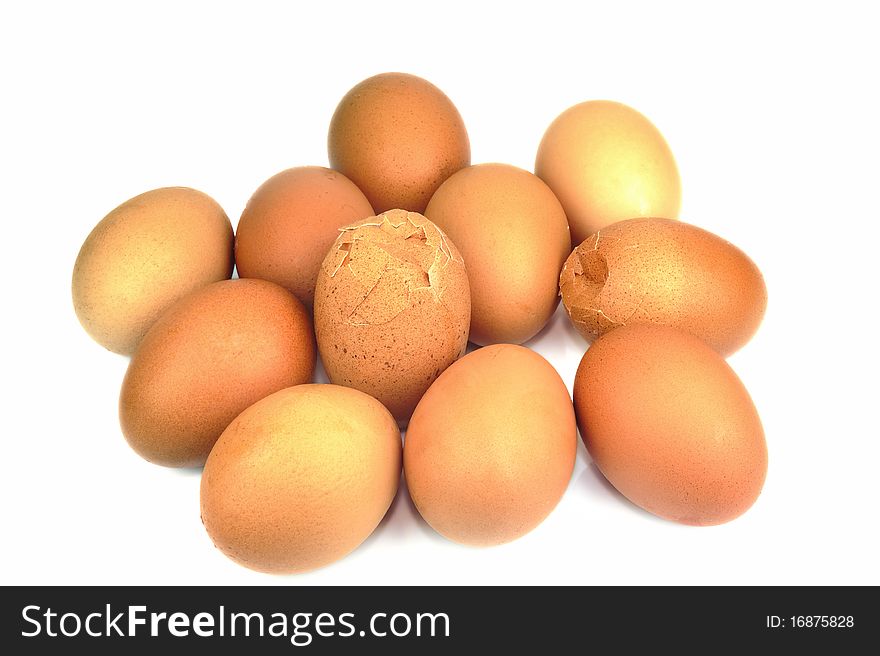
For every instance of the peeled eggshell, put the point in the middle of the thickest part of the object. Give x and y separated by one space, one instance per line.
147 253
397 137
392 308
606 162
670 425
664 272
290 223
513 235
210 356
491 446
301 478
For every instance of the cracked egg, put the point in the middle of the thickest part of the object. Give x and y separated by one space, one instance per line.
392 308
666 272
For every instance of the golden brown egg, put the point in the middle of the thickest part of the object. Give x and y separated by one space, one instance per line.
397 137
142 257
392 308
301 478
606 162
670 425
490 448
210 356
290 223
664 272
513 235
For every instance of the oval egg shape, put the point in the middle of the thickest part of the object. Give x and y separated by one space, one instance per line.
664 272
301 478
513 235
670 425
491 446
606 162
392 308
142 257
290 223
397 137
210 356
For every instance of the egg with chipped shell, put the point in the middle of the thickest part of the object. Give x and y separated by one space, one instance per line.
664 272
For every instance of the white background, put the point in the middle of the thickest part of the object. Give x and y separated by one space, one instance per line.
770 109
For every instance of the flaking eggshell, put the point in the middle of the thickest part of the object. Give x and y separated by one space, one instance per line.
491 446
301 478
210 356
664 272
392 308
606 162
397 137
513 235
290 223
670 425
142 257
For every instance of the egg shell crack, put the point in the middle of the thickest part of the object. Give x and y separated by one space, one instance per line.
394 264
656 270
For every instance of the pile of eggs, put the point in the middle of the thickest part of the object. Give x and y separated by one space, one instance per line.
387 265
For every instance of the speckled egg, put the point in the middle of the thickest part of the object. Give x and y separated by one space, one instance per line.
392 308
664 272
301 478
397 137
290 223
513 235
606 162
670 424
210 356
142 257
491 446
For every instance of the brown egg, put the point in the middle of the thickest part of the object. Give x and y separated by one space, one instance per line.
290 223
664 272
491 446
513 235
606 162
670 425
397 137
301 478
142 257
392 308
210 356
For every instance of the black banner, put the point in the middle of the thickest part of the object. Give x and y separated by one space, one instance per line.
434 620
